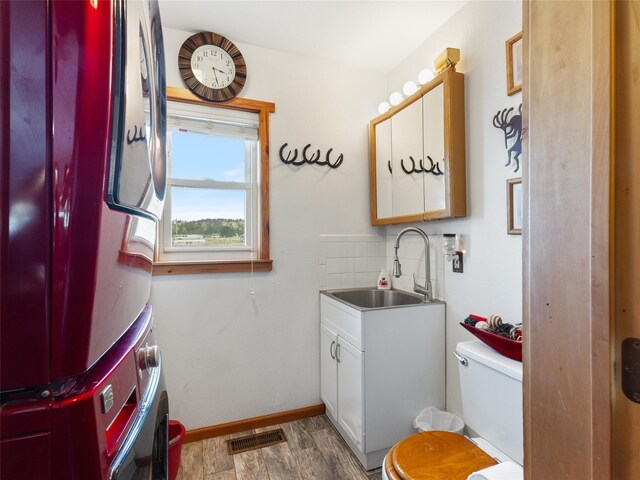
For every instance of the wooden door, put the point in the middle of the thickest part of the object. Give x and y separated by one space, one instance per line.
566 240
626 213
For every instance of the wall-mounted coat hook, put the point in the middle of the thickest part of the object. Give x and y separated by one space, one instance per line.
137 136
413 168
288 160
434 168
327 162
313 159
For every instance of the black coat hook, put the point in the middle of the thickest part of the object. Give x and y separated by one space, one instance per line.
411 170
336 164
434 168
137 137
313 159
287 160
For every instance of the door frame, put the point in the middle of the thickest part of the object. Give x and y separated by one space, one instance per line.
567 367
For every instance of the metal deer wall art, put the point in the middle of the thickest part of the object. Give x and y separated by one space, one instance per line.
512 129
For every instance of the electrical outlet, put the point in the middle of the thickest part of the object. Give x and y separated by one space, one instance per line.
456 263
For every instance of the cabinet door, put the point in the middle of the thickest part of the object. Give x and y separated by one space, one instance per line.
328 371
350 401
406 152
384 172
434 153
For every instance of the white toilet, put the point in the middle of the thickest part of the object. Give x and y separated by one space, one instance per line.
491 389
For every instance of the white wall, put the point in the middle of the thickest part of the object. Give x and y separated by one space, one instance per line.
230 355
491 282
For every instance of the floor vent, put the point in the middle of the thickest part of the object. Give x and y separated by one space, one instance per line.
255 441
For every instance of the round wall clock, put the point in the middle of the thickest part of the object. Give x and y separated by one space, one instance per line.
212 67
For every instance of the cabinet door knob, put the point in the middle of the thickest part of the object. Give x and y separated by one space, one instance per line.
338 353
333 344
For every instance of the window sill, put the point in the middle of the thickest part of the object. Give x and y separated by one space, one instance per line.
182 268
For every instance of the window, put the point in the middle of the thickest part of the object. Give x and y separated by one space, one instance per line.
216 214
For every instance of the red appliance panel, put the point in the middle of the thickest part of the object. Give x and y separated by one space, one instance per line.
25 418
106 400
102 258
25 231
25 435
26 457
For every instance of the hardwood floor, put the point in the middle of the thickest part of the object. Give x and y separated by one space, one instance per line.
313 451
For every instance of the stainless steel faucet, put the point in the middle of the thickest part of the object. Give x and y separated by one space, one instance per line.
397 268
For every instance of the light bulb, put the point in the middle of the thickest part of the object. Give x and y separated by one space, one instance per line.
425 76
409 88
383 107
395 98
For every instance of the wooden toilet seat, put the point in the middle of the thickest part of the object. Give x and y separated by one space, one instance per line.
435 456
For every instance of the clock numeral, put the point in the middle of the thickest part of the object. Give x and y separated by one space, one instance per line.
228 79
205 53
199 58
196 65
228 63
230 71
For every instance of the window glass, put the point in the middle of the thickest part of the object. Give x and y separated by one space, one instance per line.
201 156
216 212
202 217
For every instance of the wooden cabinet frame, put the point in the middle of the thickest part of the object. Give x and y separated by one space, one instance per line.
264 262
454 150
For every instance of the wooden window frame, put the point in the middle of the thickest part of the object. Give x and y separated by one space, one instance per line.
263 262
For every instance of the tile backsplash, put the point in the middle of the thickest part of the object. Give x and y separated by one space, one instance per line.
351 261
348 261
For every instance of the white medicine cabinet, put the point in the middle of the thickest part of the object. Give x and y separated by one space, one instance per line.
417 155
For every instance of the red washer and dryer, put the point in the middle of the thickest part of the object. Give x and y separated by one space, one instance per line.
83 122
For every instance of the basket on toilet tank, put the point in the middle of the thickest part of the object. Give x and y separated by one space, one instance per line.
491 392
507 347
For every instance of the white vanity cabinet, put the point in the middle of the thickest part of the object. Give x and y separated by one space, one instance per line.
341 383
378 369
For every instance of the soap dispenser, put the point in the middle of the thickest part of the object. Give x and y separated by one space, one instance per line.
384 281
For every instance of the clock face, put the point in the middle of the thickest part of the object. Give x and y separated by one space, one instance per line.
212 67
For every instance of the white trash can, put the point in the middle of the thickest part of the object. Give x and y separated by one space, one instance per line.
432 418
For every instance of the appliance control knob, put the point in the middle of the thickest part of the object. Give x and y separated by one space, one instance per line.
152 357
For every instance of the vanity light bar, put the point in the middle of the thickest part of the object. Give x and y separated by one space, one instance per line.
448 58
